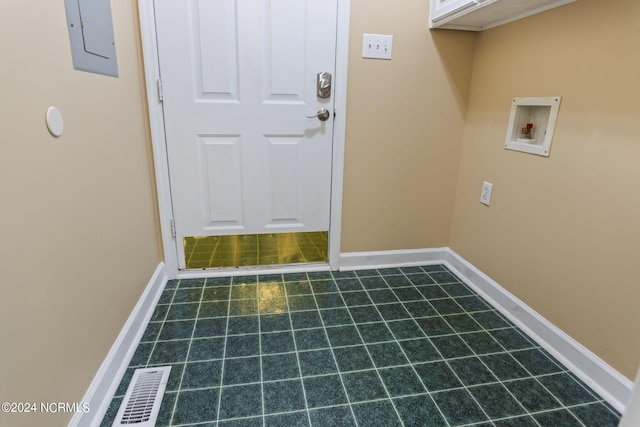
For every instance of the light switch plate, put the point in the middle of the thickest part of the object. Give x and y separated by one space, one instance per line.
377 46
485 197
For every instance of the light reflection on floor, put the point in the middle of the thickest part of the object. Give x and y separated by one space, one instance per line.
255 249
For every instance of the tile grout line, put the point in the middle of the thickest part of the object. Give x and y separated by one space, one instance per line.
411 364
373 363
295 346
175 290
335 360
162 324
336 325
224 352
260 349
186 359
591 402
213 252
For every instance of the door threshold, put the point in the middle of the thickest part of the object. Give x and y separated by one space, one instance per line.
253 270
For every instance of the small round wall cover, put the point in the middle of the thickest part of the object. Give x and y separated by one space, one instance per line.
55 122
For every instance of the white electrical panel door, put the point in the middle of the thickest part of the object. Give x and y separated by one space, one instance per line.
91 35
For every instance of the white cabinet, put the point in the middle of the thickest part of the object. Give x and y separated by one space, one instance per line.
478 15
440 9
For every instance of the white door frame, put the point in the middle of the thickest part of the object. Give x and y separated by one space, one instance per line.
158 139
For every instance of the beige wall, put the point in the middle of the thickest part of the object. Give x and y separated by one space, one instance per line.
77 213
563 232
405 120
78 222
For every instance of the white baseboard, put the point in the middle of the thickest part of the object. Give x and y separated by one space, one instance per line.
397 258
597 374
631 416
107 379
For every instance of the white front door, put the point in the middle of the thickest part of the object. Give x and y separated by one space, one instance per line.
239 78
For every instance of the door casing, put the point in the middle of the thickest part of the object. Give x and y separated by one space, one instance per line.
158 138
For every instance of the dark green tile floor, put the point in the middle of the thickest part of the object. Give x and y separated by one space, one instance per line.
394 347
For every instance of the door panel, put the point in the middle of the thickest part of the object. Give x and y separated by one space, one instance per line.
284 44
239 80
215 43
283 159
222 193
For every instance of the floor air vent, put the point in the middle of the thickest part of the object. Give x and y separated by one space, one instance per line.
141 403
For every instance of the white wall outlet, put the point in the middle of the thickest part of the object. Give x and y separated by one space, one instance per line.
485 197
377 46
